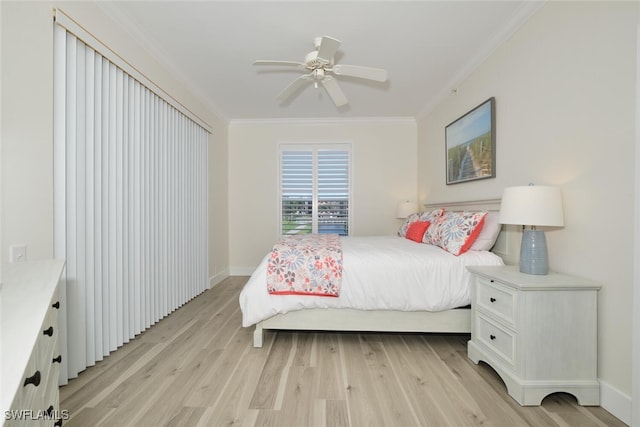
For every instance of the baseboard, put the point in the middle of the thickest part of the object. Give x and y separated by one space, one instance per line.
233 271
241 271
218 277
616 402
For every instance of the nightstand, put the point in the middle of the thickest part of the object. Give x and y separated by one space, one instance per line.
538 332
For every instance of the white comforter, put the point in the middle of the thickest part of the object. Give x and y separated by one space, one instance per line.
379 273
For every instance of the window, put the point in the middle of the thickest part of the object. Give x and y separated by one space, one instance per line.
314 189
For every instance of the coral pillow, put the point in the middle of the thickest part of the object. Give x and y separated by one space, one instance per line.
455 232
416 230
430 216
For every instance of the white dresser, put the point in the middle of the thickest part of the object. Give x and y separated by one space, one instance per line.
30 359
538 332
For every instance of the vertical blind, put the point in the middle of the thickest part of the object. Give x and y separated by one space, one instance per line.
314 189
130 204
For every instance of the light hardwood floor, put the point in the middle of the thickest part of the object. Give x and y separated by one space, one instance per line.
197 367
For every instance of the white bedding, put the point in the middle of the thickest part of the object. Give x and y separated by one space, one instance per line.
379 273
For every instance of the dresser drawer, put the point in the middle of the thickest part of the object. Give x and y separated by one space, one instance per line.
496 299
497 339
32 386
50 399
48 342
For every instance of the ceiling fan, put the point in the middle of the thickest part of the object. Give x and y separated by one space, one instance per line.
320 68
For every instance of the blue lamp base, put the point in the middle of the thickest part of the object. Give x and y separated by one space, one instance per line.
533 253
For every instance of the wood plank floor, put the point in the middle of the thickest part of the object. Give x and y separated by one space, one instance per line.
197 367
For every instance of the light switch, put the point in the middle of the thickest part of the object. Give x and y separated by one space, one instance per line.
18 253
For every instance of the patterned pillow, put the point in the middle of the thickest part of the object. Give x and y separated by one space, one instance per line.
455 232
430 216
402 231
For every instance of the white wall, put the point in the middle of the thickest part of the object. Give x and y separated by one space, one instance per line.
26 122
635 355
26 129
384 172
565 100
218 205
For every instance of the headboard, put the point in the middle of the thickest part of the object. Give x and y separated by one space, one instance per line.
508 244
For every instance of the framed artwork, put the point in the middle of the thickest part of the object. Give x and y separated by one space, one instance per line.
471 145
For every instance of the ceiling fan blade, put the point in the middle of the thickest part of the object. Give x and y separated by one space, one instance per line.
328 47
334 91
368 73
272 62
296 85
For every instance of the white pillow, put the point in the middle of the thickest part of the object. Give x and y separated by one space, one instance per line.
488 234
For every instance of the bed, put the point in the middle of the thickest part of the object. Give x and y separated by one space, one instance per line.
381 283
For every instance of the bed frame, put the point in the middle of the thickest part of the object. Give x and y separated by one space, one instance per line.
455 320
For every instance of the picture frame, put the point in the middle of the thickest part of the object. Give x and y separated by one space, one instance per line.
470 145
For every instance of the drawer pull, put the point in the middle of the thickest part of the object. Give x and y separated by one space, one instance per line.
48 331
58 423
57 359
492 299
34 379
493 337
56 305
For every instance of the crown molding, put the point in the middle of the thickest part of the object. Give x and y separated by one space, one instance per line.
519 18
330 121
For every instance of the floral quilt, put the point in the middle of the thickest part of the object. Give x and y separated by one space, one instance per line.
306 264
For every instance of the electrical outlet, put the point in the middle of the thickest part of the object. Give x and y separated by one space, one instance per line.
18 253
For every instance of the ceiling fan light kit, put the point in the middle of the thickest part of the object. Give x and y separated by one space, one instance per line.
321 69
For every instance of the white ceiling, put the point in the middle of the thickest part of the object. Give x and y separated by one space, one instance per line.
427 47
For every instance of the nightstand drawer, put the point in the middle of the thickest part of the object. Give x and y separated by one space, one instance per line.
495 298
497 339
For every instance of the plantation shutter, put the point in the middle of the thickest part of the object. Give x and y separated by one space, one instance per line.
314 189
296 182
333 191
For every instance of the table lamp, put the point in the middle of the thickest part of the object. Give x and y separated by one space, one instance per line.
533 206
405 209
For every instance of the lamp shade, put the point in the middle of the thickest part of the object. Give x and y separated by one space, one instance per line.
535 205
405 209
